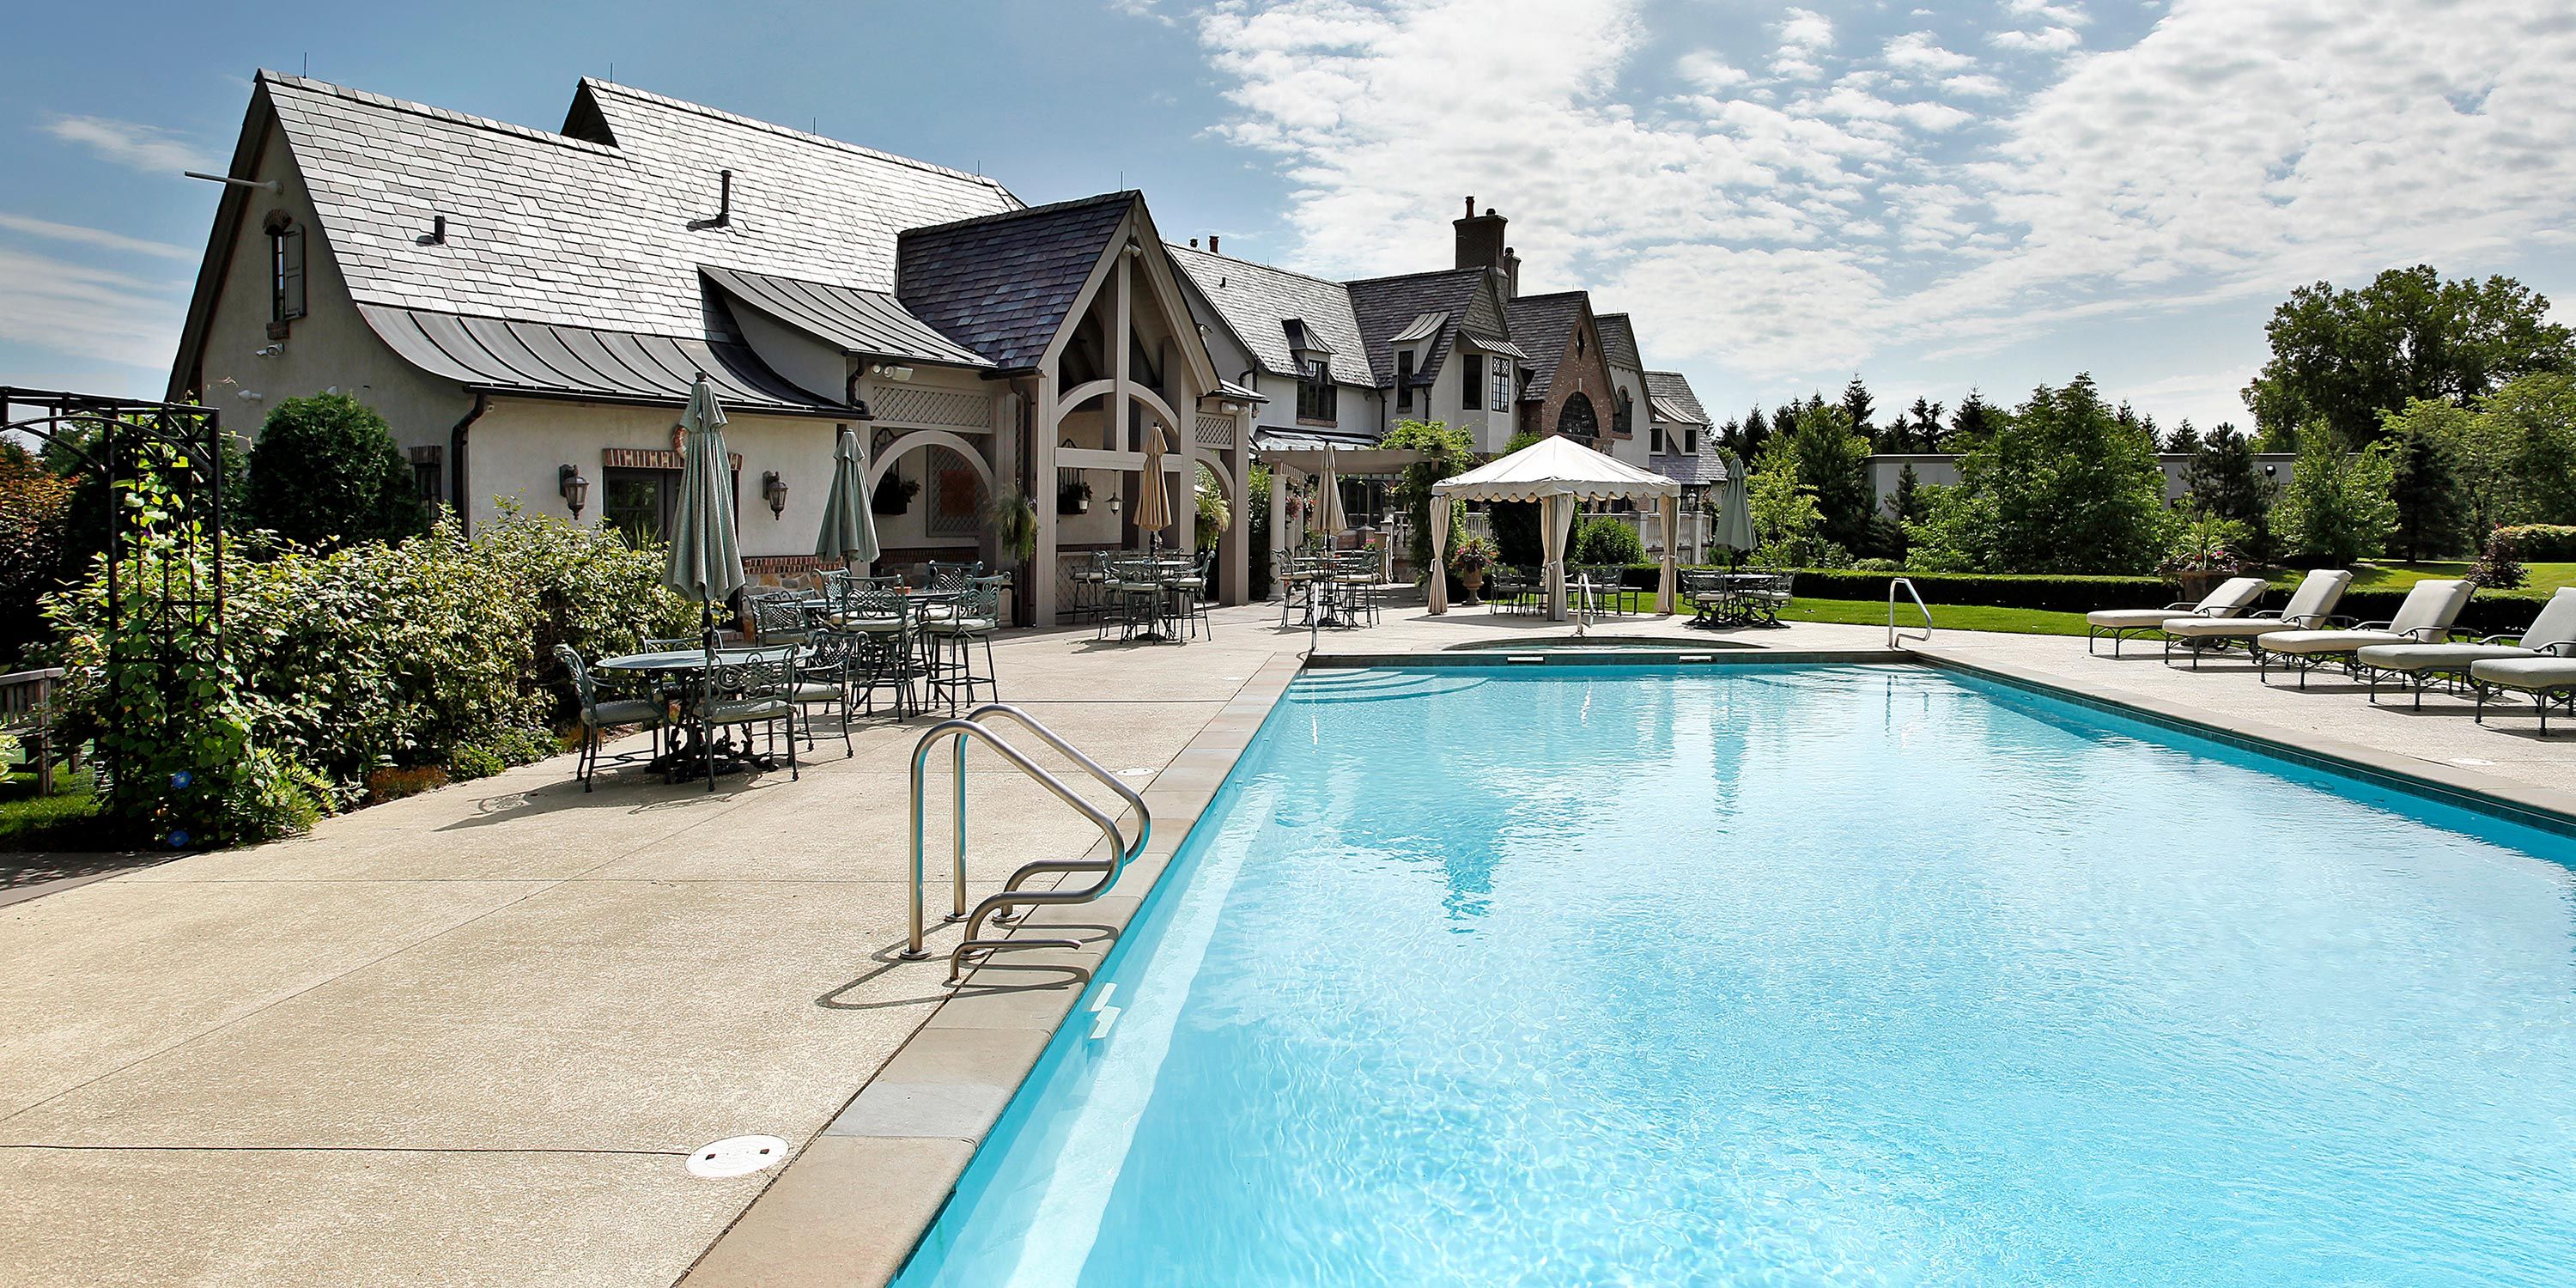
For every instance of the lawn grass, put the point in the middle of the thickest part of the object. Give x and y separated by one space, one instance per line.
61 821
1945 617
2398 576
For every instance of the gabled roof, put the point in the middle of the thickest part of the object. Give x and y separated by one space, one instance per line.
874 323
1544 325
1002 285
554 228
1618 341
1388 306
1257 301
1670 388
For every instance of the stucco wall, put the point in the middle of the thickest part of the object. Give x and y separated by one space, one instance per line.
331 347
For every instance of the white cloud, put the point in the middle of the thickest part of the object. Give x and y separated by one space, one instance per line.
2232 152
2049 40
127 143
2064 15
1918 51
86 312
1804 36
97 237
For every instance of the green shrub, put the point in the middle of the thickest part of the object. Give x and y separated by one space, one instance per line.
2340 506
2543 542
2499 566
1605 540
2064 484
500 750
326 471
587 588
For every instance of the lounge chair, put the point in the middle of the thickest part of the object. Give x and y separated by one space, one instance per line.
2552 633
2545 678
2311 607
2425 618
2231 599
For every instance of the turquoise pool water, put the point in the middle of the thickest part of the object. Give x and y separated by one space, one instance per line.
1762 974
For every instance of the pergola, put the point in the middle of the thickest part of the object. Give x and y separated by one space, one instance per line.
1558 474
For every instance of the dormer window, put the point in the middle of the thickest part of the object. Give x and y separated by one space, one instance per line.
285 271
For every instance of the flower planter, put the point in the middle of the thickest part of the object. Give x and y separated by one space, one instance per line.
1474 582
2197 583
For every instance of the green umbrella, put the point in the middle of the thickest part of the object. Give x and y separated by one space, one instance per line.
1734 528
849 523
706 565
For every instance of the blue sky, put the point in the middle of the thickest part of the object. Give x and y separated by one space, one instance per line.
1995 193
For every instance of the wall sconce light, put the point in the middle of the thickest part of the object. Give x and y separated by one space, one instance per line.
1113 503
773 489
894 371
574 488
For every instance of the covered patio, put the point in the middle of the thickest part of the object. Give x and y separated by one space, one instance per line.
1559 476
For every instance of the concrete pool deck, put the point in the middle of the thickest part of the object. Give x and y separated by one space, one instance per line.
472 1036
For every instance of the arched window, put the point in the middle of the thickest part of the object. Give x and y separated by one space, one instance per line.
1577 420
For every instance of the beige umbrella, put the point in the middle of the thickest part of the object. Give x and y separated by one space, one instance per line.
1329 518
1154 504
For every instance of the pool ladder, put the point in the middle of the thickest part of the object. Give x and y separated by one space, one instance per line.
976 726
1908 584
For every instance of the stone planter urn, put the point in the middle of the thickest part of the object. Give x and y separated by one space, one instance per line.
2197 584
1474 582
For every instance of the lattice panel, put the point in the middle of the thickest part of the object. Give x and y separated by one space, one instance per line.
1216 431
906 405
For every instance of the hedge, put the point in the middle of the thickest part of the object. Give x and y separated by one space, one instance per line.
2542 542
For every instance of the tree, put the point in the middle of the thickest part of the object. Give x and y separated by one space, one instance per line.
1832 463
326 473
1445 453
2338 507
2430 515
2349 357
2223 480
1972 422
1859 407
1757 431
2058 485
35 528
2535 416
2184 440
1785 517
1917 430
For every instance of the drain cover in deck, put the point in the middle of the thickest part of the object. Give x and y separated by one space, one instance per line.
737 1156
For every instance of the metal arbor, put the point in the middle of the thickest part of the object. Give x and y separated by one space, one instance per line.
124 443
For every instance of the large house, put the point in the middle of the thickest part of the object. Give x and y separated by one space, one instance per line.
529 308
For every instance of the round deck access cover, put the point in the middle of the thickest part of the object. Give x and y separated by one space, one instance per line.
737 1156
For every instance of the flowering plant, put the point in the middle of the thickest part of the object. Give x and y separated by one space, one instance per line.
2206 544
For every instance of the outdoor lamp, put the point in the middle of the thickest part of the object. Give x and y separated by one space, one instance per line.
575 488
774 490
1113 503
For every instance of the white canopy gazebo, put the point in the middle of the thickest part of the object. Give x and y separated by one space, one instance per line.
1559 474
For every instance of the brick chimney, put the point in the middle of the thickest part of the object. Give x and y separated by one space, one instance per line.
1480 238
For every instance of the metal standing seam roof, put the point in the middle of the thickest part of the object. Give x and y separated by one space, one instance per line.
1667 409
874 323
543 359
1423 328
1671 387
552 228
1493 344
1257 301
1001 285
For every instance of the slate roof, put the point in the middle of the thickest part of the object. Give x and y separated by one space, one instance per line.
1002 284
1544 325
868 322
1257 301
1387 306
545 358
547 227
1619 341
1671 387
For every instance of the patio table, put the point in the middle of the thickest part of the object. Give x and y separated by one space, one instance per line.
695 751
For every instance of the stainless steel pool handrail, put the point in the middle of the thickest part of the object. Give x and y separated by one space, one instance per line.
957 732
1908 584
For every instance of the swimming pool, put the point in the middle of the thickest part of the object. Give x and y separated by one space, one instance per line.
1799 974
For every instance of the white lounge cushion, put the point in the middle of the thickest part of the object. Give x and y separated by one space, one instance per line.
2434 657
2223 628
2529 674
2316 597
2431 607
2308 643
2136 618
2233 596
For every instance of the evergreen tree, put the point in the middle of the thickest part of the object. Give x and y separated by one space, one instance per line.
1918 430
2184 440
1859 407
2432 516
1830 457
1970 424
2223 480
1757 431
326 472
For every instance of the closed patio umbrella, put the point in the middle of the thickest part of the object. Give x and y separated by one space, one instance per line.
1734 526
1154 501
1329 518
706 564
849 523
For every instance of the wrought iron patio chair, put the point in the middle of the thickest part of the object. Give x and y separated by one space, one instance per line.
831 665
950 645
599 715
748 689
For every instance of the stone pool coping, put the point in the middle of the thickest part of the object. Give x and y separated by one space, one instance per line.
852 1206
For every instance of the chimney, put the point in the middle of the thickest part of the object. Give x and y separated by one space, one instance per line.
1194 243
1212 244
1511 274
1480 238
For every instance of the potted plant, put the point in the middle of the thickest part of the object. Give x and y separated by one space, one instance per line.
1073 497
2203 555
894 494
1471 559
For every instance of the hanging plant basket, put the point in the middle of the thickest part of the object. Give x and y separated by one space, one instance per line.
893 495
